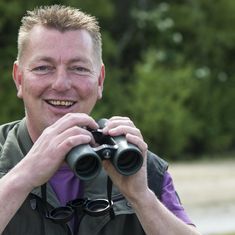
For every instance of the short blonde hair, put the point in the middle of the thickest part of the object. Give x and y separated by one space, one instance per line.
62 18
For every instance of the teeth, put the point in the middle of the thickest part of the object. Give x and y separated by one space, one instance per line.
61 102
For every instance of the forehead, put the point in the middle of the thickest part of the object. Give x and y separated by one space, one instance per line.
44 41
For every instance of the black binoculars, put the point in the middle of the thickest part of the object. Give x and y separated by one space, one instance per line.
85 160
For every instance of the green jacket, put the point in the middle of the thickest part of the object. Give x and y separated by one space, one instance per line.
15 144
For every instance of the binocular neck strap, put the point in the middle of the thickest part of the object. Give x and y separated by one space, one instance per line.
44 200
109 196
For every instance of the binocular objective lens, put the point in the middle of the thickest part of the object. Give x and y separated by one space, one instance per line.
86 166
128 161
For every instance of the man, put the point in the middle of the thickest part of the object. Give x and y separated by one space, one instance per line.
59 74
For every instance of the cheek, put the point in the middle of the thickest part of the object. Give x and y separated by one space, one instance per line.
32 88
88 88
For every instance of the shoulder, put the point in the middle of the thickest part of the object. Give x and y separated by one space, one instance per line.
156 168
10 147
154 163
5 129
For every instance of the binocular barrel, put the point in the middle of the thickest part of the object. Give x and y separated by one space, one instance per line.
127 159
85 162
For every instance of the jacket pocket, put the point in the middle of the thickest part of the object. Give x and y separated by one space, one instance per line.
121 205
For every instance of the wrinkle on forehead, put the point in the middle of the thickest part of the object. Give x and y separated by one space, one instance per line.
51 44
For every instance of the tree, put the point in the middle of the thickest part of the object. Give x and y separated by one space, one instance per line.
169 64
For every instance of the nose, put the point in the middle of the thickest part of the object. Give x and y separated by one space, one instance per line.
62 81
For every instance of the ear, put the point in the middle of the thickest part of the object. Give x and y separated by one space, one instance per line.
17 76
101 81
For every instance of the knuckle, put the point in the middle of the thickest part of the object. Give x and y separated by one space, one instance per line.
138 132
129 123
70 142
145 146
75 129
69 115
48 131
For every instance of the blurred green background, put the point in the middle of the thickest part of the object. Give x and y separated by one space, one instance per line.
169 64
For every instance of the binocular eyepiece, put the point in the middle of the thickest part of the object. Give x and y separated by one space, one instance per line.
85 160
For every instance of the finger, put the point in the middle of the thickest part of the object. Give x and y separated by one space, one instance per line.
119 118
72 142
74 119
123 130
73 131
114 123
138 142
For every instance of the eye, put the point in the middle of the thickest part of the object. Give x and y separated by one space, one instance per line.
79 69
43 69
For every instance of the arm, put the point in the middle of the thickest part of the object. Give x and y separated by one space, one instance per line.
157 219
13 191
47 153
154 217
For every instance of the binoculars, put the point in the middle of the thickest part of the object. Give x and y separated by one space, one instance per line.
86 161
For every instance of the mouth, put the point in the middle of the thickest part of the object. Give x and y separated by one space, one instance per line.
61 103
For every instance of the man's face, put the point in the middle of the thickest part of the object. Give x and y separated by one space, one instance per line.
57 75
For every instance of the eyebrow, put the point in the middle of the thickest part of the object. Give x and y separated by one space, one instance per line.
51 60
80 59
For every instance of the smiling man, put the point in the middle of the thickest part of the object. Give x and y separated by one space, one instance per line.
59 74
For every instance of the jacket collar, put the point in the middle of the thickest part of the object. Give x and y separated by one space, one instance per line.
23 137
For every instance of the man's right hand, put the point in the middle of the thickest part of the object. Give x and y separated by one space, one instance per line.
50 149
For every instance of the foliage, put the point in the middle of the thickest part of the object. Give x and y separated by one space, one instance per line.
163 94
170 67
183 36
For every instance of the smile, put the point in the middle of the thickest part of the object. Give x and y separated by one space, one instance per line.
61 103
